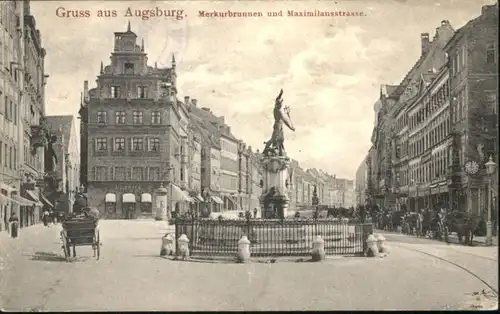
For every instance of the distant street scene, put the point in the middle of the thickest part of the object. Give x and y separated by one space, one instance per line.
247 156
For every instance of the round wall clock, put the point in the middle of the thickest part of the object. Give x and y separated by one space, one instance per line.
471 167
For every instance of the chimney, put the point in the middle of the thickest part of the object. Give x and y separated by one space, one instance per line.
194 102
86 91
186 100
424 38
485 8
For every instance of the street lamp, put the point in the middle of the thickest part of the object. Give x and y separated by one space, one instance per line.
416 207
490 170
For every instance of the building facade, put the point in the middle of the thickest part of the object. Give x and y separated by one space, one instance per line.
392 186
244 179
361 183
22 84
210 163
441 118
67 169
132 133
473 80
255 179
11 86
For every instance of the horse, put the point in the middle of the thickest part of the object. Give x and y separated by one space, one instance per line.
465 224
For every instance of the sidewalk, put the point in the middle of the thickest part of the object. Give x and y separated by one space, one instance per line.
482 240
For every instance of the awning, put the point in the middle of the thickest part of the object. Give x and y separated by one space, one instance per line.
199 198
34 198
230 198
45 201
110 198
217 200
128 198
146 198
22 201
179 195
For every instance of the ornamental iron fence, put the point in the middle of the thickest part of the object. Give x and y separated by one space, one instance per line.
272 237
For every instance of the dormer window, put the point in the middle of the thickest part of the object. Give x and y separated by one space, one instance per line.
129 68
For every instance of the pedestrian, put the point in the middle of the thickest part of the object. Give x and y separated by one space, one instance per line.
45 218
255 212
14 225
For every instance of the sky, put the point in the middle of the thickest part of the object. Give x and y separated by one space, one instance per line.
330 68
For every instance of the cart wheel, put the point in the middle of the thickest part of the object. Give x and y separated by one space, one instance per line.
98 245
65 246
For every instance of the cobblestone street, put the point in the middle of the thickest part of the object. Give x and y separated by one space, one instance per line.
131 276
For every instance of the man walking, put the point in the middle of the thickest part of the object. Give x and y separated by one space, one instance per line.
255 212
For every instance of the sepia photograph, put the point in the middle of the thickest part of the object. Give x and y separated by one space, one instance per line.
246 155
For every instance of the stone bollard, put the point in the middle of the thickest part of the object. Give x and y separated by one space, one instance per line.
371 246
167 242
183 244
318 250
381 245
243 255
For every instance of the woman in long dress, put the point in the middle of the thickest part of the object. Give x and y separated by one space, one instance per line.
14 225
45 218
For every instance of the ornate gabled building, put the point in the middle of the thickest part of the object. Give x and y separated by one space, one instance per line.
131 122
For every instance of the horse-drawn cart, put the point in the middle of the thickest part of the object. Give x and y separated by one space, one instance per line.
80 231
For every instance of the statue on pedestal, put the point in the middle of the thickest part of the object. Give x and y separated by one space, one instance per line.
275 147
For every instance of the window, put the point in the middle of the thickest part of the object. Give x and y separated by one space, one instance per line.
137 173
101 144
102 117
120 173
491 102
154 174
119 144
141 92
182 174
101 173
137 117
120 117
490 53
115 91
10 157
155 117
1 154
14 153
128 68
154 144
137 144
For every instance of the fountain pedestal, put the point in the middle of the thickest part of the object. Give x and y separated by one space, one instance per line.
274 200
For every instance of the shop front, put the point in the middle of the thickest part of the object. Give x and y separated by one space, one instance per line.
110 206
146 204
129 202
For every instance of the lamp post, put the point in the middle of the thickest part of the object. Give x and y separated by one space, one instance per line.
490 170
415 183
